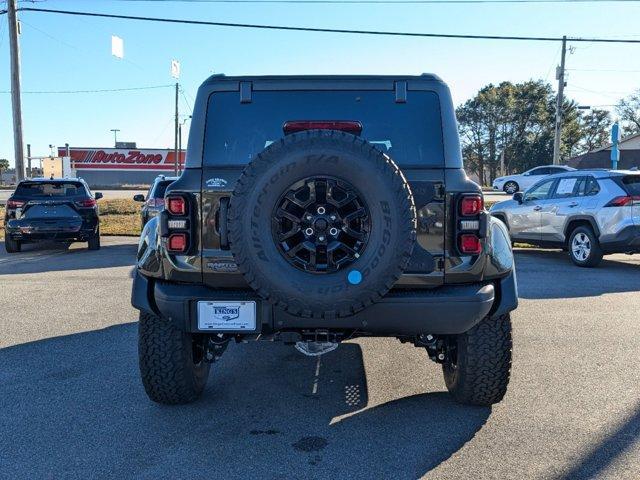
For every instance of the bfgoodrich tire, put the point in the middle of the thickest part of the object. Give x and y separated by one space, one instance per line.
477 371
171 363
300 282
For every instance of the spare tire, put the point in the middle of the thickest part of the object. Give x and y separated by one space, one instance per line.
322 224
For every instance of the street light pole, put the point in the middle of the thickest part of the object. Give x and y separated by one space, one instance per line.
115 137
16 103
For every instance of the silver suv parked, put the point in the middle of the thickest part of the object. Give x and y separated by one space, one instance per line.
588 212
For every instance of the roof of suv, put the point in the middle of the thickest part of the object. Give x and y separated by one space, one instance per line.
596 172
319 78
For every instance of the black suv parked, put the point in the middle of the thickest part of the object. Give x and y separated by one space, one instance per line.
52 209
319 209
154 200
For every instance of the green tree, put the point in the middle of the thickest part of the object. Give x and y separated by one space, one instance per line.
628 109
517 121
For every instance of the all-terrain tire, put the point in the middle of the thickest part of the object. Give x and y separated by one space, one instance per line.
12 246
478 372
171 373
94 241
346 158
595 252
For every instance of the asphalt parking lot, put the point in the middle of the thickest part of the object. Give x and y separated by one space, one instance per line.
72 406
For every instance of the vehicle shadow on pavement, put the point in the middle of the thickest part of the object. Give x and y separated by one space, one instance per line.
73 406
550 274
48 257
608 450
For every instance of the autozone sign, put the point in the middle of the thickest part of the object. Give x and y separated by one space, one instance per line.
121 159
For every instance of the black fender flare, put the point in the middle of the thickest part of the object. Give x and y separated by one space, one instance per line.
574 218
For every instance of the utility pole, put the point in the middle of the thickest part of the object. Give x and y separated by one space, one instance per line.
16 104
175 131
29 174
559 103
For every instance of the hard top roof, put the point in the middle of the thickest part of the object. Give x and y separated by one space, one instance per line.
220 78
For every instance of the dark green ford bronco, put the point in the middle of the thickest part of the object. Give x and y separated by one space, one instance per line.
314 210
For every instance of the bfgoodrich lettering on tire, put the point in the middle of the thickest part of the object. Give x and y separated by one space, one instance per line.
322 223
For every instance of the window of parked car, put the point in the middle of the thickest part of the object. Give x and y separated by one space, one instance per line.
587 186
539 191
539 171
49 189
567 187
160 188
632 184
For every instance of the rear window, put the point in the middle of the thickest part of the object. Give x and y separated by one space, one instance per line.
161 187
632 184
50 189
411 132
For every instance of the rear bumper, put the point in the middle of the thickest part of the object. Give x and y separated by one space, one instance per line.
73 228
53 233
449 309
626 240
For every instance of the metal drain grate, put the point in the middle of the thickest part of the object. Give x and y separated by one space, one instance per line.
352 395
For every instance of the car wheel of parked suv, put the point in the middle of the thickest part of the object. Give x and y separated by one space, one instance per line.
511 187
12 246
584 247
477 370
94 242
172 363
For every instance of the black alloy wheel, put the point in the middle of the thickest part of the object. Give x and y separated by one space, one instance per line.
321 224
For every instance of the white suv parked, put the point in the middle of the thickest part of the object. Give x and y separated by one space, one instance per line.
588 212
520 182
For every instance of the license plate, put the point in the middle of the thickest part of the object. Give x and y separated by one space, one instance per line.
221 315
18 212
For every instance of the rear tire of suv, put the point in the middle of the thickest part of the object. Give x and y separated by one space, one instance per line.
477 371
584 248
94 242
171 363
12 246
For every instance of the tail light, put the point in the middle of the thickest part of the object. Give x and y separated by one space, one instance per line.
293 126
471 205
176 224
623 201
176 205
470 223
470 243
14 203
177 242
88 203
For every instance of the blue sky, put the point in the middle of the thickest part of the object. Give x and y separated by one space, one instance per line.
74 53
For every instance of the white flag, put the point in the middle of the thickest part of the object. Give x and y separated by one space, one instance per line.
117 47
175 69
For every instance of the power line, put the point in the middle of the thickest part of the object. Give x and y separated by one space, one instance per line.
323 30
386 2
104 90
